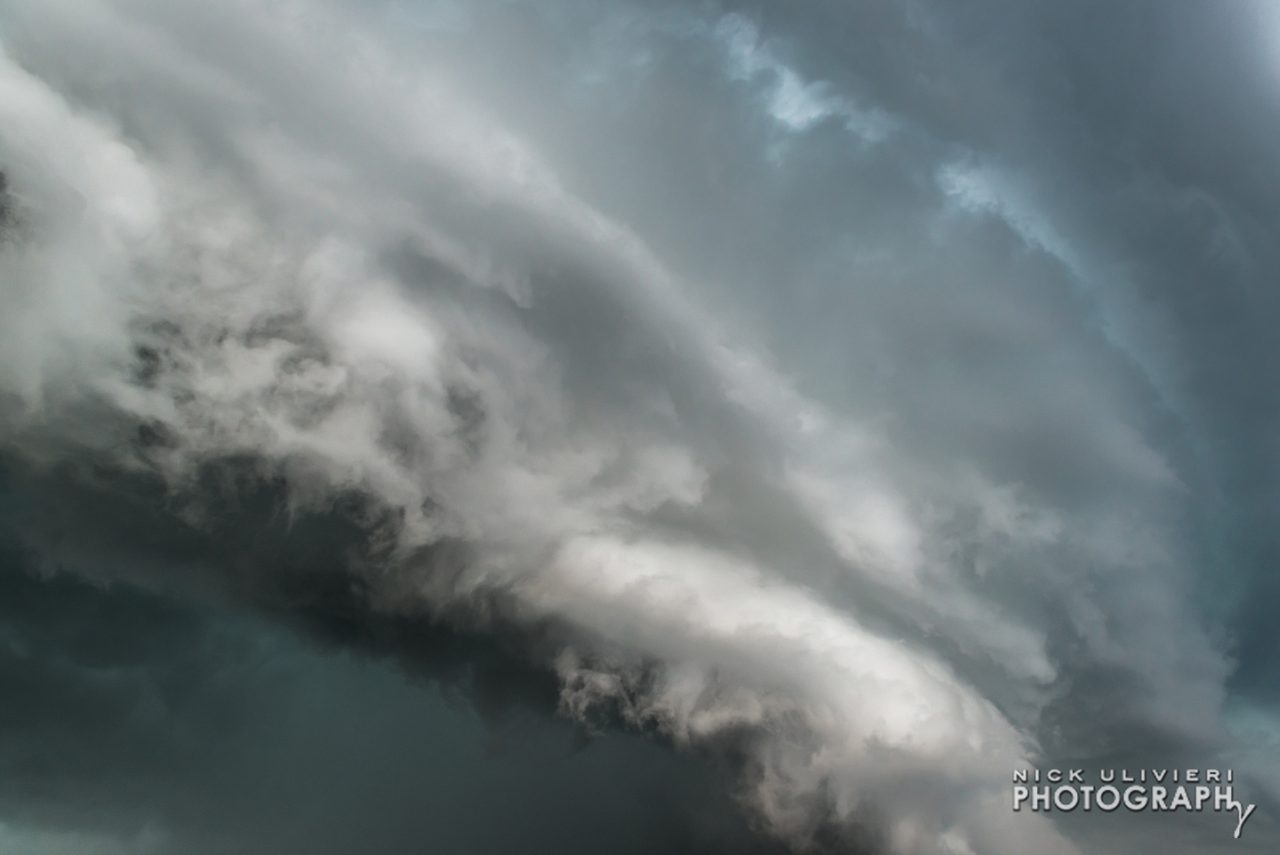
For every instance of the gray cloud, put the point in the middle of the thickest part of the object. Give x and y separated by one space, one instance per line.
871 395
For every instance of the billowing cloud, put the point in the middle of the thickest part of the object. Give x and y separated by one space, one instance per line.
859 398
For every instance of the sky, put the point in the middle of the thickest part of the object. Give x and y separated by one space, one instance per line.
511 426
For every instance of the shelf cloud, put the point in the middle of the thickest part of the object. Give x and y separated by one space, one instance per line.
860 401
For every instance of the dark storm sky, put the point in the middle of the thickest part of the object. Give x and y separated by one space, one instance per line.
832 406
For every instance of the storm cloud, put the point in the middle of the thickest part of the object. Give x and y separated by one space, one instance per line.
857 401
